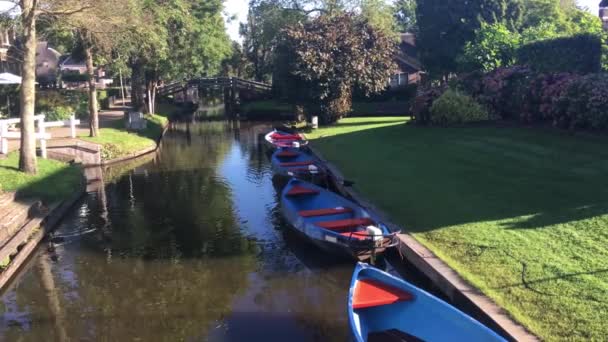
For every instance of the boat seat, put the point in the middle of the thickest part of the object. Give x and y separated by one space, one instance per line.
285 137
324 212
288 154
370 293
344 224
298 190
392 335
356 235
302 163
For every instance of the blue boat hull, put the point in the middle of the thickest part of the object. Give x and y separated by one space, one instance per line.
299 171
423 316
332 241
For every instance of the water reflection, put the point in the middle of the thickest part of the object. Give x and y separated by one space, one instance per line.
187 246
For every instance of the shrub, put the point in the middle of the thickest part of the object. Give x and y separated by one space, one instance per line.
421 106
565 100
455 107
59 113
580 53
74 77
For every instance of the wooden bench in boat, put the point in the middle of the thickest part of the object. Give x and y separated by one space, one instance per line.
370 293
302 163
285 137
324 212
287 154
345 224
298 190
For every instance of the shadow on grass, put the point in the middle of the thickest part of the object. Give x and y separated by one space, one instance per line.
429 178
52 187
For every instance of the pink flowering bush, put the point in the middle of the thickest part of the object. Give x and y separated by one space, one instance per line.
566 100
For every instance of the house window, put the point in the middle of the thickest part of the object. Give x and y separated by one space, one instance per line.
399 79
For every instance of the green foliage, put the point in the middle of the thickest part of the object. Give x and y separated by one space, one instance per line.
59 113
265 20
455 107
494 46
330 56
444 26
565 100
74 77
267 109
563 54
404 12
379 14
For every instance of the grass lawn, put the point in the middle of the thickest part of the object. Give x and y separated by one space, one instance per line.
55 180
521 213
118 142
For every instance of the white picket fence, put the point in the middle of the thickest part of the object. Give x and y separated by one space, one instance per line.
41 135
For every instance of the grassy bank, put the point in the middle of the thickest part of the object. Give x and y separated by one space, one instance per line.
520 213
117 142
55 180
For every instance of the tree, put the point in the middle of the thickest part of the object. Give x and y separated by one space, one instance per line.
379 14
493 46
334 54
173 40
30 10
405 15
265 21
96 32
444 26
237 64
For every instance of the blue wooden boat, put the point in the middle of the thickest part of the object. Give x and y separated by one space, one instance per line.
293 162
277 139
382 307
334 223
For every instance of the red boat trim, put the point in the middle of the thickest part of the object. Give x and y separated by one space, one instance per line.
370 293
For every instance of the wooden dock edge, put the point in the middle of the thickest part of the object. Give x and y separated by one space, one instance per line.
46 224
447 280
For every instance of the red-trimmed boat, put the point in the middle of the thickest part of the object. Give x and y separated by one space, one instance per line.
293 162
277 139
382 307
333 223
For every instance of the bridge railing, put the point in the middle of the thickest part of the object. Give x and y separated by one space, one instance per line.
240 83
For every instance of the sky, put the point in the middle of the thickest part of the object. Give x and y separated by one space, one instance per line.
238 8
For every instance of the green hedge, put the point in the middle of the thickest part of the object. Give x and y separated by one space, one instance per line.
580 53
74 77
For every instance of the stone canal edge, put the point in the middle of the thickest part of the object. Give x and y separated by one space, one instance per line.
29 236
447 280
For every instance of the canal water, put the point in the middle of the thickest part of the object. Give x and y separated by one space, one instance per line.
187 246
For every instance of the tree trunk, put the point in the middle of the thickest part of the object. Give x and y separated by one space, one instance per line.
93 111
137 86
27 153
152 85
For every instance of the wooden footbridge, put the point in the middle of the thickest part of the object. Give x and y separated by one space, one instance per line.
233 83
